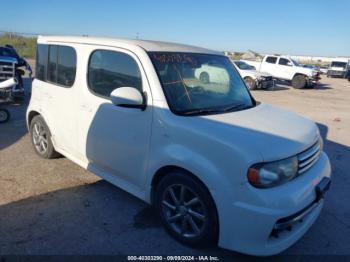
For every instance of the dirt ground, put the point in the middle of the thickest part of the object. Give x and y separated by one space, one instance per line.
55 207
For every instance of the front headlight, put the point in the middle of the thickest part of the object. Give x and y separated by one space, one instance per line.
272 174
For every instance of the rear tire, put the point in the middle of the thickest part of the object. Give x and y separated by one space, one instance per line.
187 209
299 81
41 138
4 115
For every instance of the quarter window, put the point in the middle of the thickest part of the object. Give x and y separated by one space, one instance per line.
271 59
56 64
41 61
66 66
109 70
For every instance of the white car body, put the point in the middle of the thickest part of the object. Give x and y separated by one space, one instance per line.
263 80
283 68
217 149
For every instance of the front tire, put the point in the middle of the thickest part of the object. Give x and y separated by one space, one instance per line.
41 138
4 115
187 209
299 81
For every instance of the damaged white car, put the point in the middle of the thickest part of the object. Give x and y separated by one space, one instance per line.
253 78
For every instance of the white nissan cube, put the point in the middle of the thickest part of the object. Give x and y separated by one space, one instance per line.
220 167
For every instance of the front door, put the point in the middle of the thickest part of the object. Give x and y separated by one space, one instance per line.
114 140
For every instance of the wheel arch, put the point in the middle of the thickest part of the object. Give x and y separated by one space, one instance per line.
30 116
299 74
166 170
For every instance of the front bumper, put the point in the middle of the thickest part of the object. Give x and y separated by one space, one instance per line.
251 224
265 84
336 73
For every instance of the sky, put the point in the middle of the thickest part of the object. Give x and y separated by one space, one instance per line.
295 27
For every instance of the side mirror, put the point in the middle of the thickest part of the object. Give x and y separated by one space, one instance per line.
128 97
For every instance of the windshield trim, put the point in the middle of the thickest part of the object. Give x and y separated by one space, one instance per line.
183 113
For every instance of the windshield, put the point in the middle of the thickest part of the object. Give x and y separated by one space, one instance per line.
242 65
7 52
200 83
338 64
295 62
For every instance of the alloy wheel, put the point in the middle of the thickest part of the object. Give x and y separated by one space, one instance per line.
184 211
40 138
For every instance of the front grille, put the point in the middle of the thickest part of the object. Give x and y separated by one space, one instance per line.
309 157
335 72
7 70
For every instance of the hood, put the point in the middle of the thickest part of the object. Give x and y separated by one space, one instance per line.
264 74
306 71
8 59
274 132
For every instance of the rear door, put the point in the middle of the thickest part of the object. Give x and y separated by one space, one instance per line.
58 102
269 65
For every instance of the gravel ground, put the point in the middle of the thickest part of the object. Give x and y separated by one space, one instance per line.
56 207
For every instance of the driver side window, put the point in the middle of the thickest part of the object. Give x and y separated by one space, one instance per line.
284 62
109 70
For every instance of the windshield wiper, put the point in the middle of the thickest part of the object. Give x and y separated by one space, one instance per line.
236 107
202 111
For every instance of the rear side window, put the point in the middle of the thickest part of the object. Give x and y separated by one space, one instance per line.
271 59
66 66
109 70
41 61
56 64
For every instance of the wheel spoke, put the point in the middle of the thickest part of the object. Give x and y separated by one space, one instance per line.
172 194
167 204
174 218
193 201
183 226
196 214
193 225
44 139
182 194
36 129
43 145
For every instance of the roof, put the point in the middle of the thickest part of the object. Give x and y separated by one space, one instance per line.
152 46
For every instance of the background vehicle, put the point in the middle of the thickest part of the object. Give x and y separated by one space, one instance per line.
6 98
338 68
285 68
218 166
11 66
324 69
253 79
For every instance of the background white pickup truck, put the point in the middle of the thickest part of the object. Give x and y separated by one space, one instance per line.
285 68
